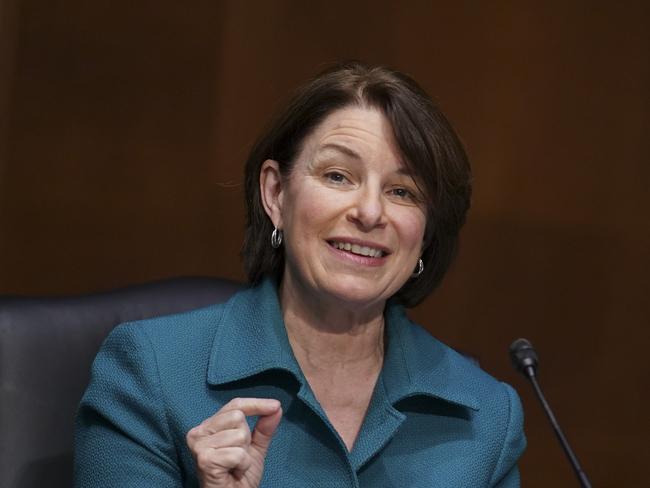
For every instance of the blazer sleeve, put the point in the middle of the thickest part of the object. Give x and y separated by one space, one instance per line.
122 435
506 472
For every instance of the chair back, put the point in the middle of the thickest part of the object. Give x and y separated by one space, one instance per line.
47 346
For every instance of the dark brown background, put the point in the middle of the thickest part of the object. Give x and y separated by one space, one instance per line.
123 127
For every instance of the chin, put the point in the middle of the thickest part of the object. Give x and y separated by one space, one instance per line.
358 291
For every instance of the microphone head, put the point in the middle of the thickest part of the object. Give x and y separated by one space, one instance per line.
523 357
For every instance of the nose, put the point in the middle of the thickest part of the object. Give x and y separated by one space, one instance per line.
367 210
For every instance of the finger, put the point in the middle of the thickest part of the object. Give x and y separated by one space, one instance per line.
222 420
233 458
225 438
216 461
252 406
232 415
264 430
232 419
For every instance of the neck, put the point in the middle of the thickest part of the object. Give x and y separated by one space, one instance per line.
326 334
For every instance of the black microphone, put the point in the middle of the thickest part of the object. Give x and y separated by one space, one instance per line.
524 359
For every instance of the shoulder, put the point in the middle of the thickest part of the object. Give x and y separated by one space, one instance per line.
432 361
152 363
140 380
145 346
461 372
176 340
171 328
496 411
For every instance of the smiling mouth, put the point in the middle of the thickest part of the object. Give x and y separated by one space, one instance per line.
366 251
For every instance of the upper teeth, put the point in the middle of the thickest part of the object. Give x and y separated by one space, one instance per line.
356 249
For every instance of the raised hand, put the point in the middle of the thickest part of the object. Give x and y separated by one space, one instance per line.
226 453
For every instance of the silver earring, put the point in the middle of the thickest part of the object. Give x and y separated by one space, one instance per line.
419 269
276 238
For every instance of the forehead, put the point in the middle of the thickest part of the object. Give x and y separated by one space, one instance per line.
355 117
364 131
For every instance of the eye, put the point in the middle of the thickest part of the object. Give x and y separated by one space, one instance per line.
335 177
402 193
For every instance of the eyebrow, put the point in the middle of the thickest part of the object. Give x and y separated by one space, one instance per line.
340 148
404 170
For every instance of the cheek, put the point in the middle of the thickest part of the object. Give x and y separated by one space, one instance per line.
410 224
313 205
309 213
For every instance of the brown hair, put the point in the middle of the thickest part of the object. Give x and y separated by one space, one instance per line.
426 140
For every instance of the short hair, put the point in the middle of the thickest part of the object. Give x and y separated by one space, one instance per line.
428 144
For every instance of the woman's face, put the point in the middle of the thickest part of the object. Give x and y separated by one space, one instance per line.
352 216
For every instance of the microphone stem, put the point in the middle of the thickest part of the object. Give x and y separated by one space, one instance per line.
582 477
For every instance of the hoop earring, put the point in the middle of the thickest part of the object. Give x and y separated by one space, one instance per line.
276 238
419 269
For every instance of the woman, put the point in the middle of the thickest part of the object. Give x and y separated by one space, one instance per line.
315 376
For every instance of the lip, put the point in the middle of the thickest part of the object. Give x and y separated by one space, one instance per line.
360 242
356 258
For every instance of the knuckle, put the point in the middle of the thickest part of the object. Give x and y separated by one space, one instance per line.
215 472
240 437
239 455
236 402
203 460
238 416
191 436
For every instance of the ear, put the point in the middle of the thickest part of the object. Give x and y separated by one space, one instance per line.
271 191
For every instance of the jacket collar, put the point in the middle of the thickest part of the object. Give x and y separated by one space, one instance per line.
251 338
417 364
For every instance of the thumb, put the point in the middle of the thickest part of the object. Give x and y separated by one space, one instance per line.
264 430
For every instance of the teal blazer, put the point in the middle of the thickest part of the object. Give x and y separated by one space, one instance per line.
435 419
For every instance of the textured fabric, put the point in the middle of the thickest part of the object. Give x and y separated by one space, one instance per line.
435 419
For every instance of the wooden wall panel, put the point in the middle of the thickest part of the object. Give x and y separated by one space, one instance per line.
127 125
7 39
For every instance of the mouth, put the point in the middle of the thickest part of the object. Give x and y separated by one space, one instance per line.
359 250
